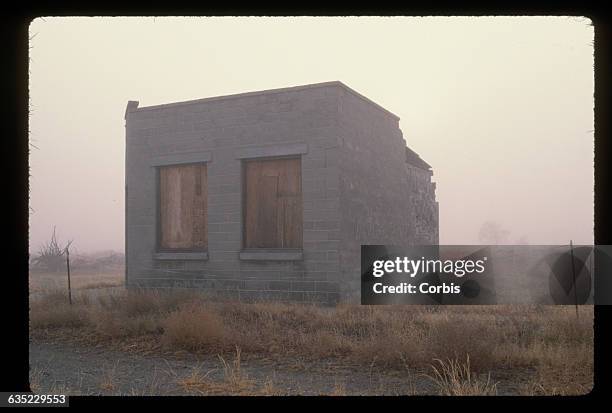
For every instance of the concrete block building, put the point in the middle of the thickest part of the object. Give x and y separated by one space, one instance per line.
269 195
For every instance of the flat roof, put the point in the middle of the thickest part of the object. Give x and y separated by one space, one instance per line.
133 105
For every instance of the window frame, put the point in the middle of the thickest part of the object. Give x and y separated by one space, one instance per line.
176 253
269 253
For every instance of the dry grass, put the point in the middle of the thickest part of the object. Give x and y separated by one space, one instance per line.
234 381
454 378
55 311
196 381
233 374
153 387
545 339
36 376
45 281
270 389
338 390
193 327
571 378
108 382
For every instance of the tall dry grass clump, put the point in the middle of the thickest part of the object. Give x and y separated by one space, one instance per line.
454 378
450 336
193 326
134 313
54 311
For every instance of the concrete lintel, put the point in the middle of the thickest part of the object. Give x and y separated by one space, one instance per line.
272 151
271 255
181 158
182 256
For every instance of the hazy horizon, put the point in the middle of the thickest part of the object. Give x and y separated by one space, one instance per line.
501 107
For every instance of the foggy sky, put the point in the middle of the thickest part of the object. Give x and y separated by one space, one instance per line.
502 108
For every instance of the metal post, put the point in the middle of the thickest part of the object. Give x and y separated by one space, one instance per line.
68 270
574 275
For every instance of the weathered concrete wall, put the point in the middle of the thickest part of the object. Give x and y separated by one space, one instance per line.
357 189
222 131
384 200
423 205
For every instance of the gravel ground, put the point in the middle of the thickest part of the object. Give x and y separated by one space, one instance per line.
76 370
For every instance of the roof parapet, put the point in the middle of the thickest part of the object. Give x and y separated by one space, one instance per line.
132 105
268 91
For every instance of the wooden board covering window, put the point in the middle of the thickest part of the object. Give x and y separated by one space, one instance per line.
183 207
273 204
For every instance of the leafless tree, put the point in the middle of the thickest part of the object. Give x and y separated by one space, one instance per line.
51 255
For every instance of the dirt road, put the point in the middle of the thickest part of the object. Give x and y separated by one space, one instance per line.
91 371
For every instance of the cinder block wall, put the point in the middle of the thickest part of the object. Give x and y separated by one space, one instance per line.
221 131
384 199
356 185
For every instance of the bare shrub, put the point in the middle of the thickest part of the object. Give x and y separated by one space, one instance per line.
50 255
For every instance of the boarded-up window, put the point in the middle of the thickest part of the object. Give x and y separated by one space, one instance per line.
273 204
183 207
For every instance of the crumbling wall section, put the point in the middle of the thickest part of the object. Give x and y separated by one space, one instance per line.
383 198
423 206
